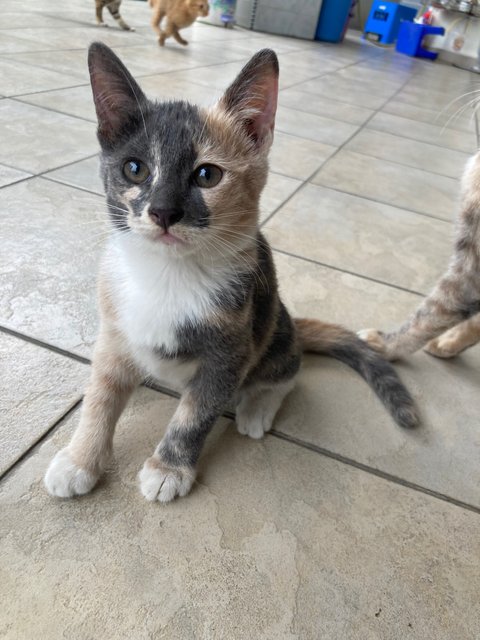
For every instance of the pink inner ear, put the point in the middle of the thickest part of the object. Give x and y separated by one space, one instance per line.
264 122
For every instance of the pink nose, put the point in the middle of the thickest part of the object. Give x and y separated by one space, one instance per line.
165 217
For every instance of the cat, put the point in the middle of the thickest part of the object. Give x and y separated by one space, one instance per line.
179 14
114 7
188 291
448 320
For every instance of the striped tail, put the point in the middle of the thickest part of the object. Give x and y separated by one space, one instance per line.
337 342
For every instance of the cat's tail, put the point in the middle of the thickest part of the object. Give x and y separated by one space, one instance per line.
340 343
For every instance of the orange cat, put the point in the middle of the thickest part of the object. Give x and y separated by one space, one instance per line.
179 14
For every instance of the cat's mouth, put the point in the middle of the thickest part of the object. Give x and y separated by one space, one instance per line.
169 238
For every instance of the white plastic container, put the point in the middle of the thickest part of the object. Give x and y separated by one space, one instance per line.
222 13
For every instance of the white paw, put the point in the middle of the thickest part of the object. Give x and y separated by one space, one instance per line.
102 24
159 482
65 480
256 425
253 428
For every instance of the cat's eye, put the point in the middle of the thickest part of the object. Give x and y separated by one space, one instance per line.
207 176
136 171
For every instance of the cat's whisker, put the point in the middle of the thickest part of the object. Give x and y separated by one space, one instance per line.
220 247
460 112
249 262
447 106
113 206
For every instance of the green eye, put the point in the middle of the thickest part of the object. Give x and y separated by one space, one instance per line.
136 171
207 176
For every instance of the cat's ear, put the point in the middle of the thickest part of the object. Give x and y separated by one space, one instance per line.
252 97
119 101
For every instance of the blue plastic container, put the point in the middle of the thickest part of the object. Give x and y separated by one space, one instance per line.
384 20
333 20
410 39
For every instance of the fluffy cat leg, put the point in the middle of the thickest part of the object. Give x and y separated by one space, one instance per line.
456 340
99 13
258 406
114 8
76 468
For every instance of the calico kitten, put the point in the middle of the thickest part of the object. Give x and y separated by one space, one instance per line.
188 292
179 14
448 320
114 7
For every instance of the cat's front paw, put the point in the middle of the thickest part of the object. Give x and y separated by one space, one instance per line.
64 479
160 482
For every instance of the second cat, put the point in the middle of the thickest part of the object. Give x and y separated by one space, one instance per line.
178 14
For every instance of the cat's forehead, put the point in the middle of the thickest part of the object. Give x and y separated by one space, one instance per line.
174 128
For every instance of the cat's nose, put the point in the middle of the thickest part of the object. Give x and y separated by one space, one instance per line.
165 217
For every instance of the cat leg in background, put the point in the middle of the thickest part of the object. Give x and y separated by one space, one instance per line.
177 36
456 340
114 8
451 302
76 469
455 298
171 30
99 13
157 17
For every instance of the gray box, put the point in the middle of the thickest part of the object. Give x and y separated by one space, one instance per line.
282 17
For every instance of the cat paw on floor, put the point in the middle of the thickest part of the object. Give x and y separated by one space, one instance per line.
163 483
64 479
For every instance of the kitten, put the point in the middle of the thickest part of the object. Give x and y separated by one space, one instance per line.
114 7
179 14
448 320
188 292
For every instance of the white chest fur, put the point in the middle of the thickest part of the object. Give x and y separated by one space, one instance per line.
155 292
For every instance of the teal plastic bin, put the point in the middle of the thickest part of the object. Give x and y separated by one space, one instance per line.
333 20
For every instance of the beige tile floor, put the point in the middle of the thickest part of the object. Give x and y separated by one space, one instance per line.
337 525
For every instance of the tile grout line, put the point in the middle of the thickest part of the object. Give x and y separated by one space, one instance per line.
350 273
15 96
33 447
42 174
370 155
389 204
44 345
389 477
73 186
51 109
434 144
